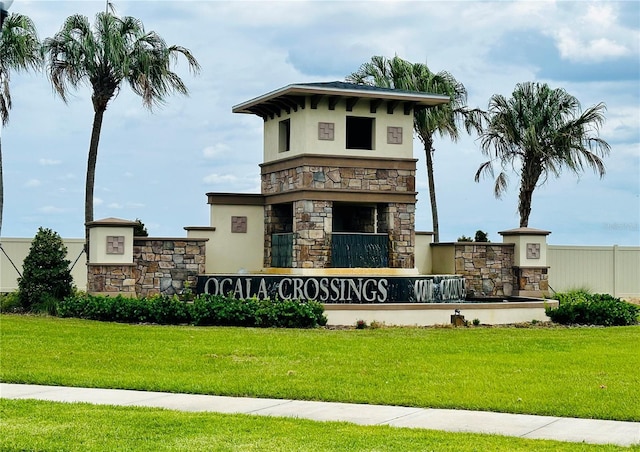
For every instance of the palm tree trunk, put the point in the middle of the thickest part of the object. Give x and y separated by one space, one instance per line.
524 205
1 188
91 172
428 150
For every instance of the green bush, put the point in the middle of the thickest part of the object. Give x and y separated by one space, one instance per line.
45 272
204 310
582 308
10 302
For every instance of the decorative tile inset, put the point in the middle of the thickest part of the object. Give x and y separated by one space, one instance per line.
326 131
394 135
239 225
533 251
115 244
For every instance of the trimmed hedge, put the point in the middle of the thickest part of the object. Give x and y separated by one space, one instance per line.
203 310
583 308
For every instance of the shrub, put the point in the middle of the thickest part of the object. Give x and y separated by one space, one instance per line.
582 308
46 274
204 310
10 302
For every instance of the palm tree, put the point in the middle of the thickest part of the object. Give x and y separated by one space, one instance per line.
115 50
443 119
19 51
540 131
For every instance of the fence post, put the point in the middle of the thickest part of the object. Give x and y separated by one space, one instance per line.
615 270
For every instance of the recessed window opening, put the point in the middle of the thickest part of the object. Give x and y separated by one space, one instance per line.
360 132
354 218
284 135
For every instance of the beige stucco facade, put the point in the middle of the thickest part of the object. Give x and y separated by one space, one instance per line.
306 126
232 250
111 241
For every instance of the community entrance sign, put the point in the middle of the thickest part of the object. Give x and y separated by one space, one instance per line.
338 289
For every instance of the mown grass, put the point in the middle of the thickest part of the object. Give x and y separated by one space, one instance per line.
38 425
577 372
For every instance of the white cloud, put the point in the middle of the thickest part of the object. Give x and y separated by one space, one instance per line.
595 35
32 183
49 162
97 201
115 205
576 48
216 151
219 178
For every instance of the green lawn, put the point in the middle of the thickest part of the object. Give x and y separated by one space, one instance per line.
579 372
38 425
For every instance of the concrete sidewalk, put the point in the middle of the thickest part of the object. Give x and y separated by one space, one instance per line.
520 425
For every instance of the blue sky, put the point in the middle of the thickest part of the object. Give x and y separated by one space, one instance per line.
157 166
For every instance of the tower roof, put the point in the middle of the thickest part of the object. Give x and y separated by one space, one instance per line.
292 97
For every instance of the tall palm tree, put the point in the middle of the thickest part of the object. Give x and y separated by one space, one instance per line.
115 50
538 132
444 120
19 51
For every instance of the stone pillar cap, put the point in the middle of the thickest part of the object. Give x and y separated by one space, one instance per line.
111 222
524 231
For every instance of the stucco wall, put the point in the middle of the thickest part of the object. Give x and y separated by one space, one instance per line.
304 132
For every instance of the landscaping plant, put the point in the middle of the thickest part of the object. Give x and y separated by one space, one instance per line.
205 309
579 307
46 276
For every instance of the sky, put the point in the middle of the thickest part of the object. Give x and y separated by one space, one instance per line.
158 166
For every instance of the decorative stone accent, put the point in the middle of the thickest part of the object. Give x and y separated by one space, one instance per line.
487 268
115 244
533 251
394 135
239 225
326 131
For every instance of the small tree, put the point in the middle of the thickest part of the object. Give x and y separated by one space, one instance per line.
481 236
139 229
46 272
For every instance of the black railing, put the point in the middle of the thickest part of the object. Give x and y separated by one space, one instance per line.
281 250
349 250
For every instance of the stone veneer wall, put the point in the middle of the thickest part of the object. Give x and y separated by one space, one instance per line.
402 235
164 265
111 279
312 227
312 241
327 178
532 279
486 267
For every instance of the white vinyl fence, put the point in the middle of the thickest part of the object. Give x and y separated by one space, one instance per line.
601 269
17 249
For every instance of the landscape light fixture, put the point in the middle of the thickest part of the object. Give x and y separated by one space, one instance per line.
4 10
